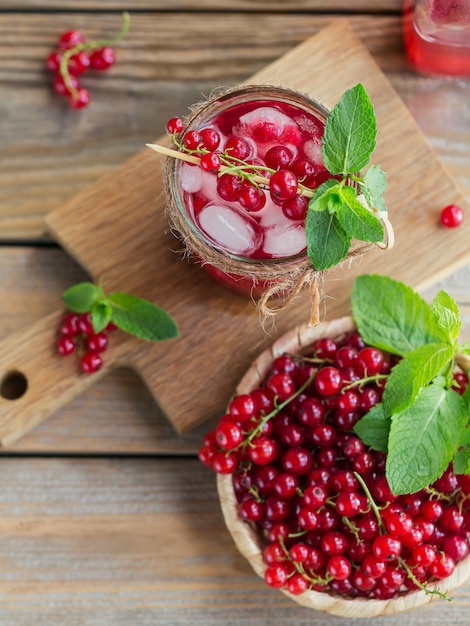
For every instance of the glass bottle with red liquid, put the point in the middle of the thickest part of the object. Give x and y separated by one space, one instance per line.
437 36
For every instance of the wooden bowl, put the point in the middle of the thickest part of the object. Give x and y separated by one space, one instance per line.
298 341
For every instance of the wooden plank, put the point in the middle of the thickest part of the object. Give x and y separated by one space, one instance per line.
49 152
363 6
96 542
125 252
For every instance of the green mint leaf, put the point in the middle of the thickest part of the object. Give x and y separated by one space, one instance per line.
350 133
416 370
373 428
101 313
446 313
325 197
391 316
356 219
375 184
81 297
327 243
424 439
465 348
461 462
141 318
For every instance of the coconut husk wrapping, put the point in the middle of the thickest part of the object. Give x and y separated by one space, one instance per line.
249 543
282 280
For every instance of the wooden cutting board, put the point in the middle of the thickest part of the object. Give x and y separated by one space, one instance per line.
116 229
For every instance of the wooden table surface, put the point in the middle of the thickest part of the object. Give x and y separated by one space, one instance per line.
106 515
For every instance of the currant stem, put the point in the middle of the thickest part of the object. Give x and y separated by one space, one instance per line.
225 169
422 586
279 407
371 500
91 45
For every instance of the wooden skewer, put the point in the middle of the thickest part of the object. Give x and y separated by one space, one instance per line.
190 158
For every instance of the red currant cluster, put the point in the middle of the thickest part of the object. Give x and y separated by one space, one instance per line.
76 332
286 177
80 57
318 497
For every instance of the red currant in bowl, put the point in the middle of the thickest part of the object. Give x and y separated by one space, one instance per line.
325 528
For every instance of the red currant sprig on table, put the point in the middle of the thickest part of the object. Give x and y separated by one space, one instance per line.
318 497
76 333
74 56
290 181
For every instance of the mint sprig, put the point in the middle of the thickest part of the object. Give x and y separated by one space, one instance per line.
422 422
348 142
132 314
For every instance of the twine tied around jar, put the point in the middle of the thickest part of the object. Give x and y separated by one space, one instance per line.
279 280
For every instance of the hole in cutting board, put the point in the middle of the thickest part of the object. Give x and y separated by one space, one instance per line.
13 385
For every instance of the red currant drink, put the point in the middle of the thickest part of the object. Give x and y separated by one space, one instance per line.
437 36
278 133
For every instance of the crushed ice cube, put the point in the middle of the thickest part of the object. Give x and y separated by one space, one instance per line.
312 149
230 229
191 178
250 121
281 242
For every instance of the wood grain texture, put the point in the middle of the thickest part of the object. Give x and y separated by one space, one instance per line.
209 5
127 252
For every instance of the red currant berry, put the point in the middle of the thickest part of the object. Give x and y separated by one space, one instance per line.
85 324
251 510
295 208
328 381
65 345
278 157
79 63
251 198
456 547
175 125
451 216
192 140
210 138
373 566
302 168
237 148
80 100
103 58
283 185
386 547
369 361
228 187
399 523
424 554
91 362
262 451
282 386
297 584
225 462
442 566
286 485
228 435
276 576
53 61
348 504
69 325
61 87
70 39
97 342
210 162
338 567
242 407
298 461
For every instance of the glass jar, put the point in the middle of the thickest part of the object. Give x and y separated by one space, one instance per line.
437 36
251 252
